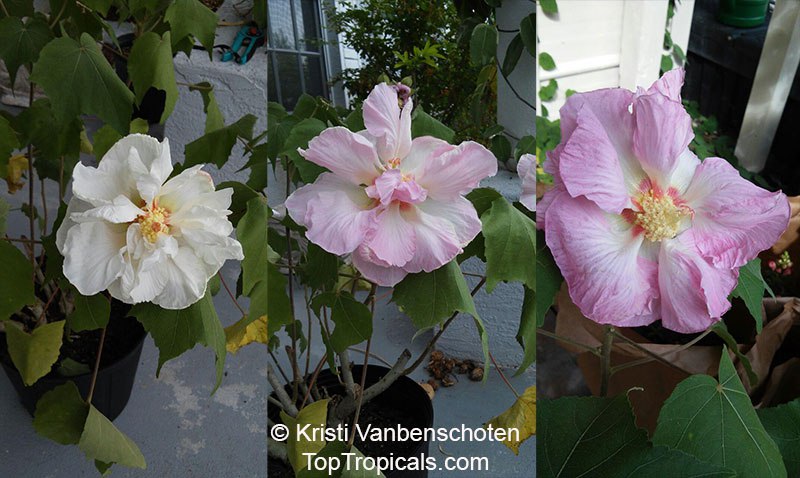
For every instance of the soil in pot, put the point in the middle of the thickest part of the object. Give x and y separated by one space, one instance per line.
118 364
404 403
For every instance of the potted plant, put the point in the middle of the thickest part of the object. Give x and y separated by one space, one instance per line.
649 254
135 247
376 198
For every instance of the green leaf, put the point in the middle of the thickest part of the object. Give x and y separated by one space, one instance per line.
546 61
103 139
525 145
52 138
548 92
214 119
548 278
352 318
72 368
79 80
90 312
527 30
501 148
279 309
783 425
596 437
176 331
429 298
34 354
215 147
8 143
150 66
315 416
666 63
20 43
513 54
321 270
423 124
191 19
549 6
102 441
510 239
483 44
252 234
16 280
526 334
61 414
678 52
17 8
722 331
241 196
298 137
750 289
482 199
715 422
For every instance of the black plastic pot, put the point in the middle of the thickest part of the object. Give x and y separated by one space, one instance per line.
114 381
743 13
404 402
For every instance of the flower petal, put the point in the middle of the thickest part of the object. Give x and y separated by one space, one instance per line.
387 123
589 165
191 187
392 240
608 279
422 150
457 171
186 281
93 255
375 270
437 241
459 212
662 131
75 206
734 219
610 106
121 210
526 169
346 154
694 293
669 84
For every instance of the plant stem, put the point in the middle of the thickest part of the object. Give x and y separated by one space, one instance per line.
605 359
96 366
43 316
503 376
293 354
313 381
371 300
230 294
649 359
30 190
280 369
654 355
439 333
347 373
280 392
3 7
587 348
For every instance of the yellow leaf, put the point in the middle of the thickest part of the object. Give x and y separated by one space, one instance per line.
17 164
521 416
238 335
315 414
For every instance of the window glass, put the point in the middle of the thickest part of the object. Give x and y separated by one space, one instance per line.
281 29
289 74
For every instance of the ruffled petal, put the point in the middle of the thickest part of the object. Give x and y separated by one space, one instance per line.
609 280
193 187
526 169
387 123
663 130
457 171
459 212
422 150
610 107
186 281
119 211
346 154
393 239
375 270
75 206
337 214
669 85
734 219
543 205
694 293
437 241
589 166
93 255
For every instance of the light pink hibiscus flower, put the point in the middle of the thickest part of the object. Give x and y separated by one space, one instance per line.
641 229
396 204
526 169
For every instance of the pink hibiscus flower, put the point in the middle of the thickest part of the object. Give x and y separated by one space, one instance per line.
396 204
641 229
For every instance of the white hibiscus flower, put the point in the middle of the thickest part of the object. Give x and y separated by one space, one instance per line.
145 238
